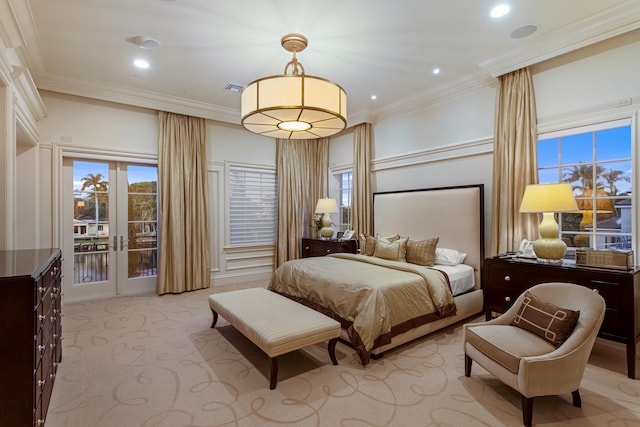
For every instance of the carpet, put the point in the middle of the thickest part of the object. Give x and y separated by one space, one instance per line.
145 360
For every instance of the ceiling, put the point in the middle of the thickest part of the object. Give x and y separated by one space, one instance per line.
369 47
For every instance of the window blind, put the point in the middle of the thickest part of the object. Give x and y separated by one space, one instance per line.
252 206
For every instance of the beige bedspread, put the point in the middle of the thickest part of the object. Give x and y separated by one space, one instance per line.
376 298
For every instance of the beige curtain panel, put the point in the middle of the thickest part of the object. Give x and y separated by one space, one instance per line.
184 224
515 163
361 193
302 167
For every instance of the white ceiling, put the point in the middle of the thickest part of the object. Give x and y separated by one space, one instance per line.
381 47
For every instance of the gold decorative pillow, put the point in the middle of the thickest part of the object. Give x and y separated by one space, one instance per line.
394 251
367 244
422 252
545 319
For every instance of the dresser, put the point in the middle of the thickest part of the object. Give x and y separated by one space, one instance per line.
30 333
320 247
504 279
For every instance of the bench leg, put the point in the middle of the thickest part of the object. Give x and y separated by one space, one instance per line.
332 350
274 372
215 317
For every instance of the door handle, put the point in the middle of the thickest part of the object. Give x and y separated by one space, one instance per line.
115 243
122 245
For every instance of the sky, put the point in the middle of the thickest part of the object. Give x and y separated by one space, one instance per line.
136 173
610 148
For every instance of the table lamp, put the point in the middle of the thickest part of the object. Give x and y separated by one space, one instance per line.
326 207
548 199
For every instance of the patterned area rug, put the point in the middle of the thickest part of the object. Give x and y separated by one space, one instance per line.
147 361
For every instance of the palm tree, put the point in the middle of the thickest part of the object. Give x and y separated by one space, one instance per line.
584 176
612 177
96 183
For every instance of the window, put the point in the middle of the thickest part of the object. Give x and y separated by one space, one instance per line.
596 161
344 200
252 206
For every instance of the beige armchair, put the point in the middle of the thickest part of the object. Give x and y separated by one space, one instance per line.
529 363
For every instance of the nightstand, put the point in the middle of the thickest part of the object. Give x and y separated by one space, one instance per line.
504 279
319 247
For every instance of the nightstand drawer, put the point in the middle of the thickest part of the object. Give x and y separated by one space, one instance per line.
317 247
500 298
609 291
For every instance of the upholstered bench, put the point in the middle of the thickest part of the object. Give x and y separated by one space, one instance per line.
276 324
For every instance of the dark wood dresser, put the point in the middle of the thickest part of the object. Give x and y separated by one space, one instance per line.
505 279
319 247
30 333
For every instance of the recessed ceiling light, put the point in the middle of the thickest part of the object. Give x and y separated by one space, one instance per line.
141 63
523 31
374 97
436 71
500 10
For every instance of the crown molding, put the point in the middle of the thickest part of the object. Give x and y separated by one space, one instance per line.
469 83
10 33
137 98
473 148
619 19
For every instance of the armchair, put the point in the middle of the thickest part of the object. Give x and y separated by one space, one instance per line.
528 363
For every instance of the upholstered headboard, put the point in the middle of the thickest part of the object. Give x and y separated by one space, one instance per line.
454 214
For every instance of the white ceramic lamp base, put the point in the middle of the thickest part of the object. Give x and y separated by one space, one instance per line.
548 247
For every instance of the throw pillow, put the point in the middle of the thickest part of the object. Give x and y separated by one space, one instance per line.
545 319
394 251
446 256
422 252
367 244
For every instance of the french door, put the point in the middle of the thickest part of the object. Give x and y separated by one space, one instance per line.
110 228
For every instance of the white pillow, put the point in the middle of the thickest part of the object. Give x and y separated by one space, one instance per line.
446 256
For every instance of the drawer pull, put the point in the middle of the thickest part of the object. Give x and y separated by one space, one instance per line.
52 376
41 317
41 383
507 278
507 299
41 289
40 348
40 422
328 251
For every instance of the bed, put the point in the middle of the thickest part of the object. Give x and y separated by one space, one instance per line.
382 303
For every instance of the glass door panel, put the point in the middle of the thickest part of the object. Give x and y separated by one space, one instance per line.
90 222
142 221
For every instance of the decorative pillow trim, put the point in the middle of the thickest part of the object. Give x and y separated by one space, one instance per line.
545 319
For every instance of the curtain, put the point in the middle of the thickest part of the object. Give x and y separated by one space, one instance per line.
302 167
361 195
515 163
184 263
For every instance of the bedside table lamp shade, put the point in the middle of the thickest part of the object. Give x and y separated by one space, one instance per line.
326 207
548 199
